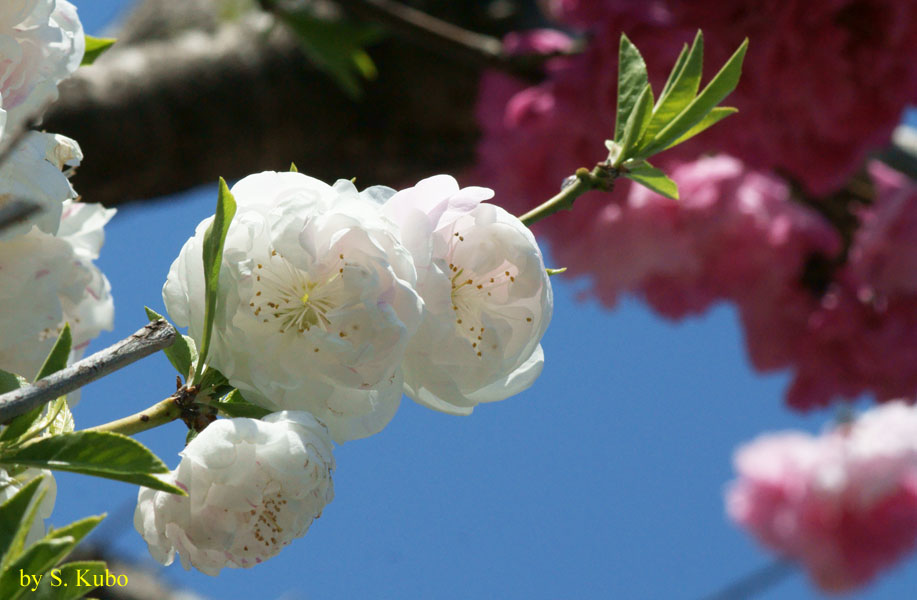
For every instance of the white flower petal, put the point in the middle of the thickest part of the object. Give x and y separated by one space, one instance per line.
253 487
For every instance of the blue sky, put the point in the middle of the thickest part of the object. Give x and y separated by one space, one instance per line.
604 480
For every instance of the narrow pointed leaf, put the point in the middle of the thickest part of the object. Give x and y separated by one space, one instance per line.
57 358
649 176
632 79
636 124
234 405
336 47
78 529
182 353
719 87
54 589
713 117
15 522
37 559
11 381
293 168
60 419
681 92
214 239
95 47
97 453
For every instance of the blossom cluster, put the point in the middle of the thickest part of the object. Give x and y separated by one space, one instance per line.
843 503
332 303
822 88
742 236
47 275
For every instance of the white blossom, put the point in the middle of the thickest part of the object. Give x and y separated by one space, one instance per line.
316 301
48 280
253 486
487 298
10 486
41 43
35 171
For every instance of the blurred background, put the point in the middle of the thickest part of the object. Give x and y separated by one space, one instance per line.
605 480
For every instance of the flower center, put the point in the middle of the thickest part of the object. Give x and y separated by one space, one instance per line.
473 296
292 299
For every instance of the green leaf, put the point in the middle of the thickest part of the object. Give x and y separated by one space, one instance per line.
37 559
713 117
553 272
212 380
11 381
649 176
234 405
97 453
293 168
16 517
76 530
632 80
719 87
182 353
214 239
681 92
56 360
336 47
190 436
52 586
95 47
59 417
636 125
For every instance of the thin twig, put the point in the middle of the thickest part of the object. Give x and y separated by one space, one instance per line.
754 583
445 38
164 411
153 337
601 177
16 211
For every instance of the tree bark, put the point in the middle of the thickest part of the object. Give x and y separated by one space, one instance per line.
158 116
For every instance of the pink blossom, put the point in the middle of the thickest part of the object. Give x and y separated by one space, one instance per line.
843 504
737 234
861 335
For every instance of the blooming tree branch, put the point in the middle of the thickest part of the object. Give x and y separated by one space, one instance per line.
146 341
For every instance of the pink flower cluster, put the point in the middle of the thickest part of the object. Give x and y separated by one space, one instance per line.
843 504
860 336
737 234
825 81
